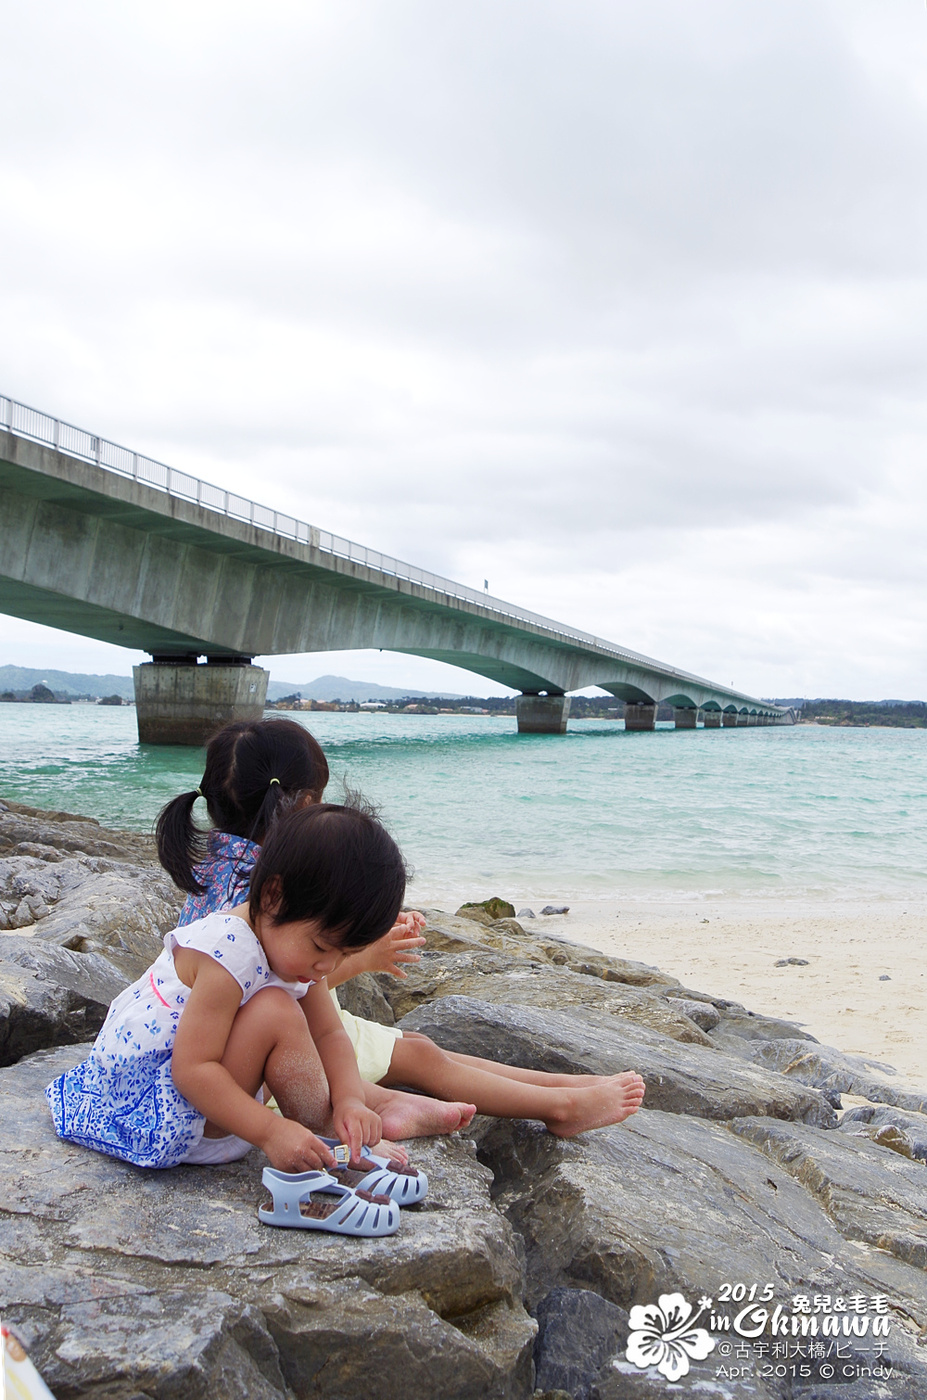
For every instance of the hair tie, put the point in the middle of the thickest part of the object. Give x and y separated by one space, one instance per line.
274 780
200 792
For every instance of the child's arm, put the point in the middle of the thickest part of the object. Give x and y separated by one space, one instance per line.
397 946
354 1122
198 1073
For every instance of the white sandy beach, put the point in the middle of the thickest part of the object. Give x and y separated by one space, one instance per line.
730 948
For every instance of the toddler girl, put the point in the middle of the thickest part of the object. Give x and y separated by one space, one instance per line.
239 999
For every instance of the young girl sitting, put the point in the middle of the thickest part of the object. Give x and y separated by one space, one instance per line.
239 999
256 770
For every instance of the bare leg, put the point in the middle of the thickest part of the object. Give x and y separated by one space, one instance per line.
270 1042
564 1110
525 1076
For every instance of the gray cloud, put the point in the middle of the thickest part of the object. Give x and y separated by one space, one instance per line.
598 300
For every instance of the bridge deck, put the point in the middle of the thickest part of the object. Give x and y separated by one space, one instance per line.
108 543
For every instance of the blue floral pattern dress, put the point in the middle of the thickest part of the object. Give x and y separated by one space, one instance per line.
225 875
121 1100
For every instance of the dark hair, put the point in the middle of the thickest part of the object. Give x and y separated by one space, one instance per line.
334 864
254 771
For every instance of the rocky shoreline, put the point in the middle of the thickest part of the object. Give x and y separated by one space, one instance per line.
517 1276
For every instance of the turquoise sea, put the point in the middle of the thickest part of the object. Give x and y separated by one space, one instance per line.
597 813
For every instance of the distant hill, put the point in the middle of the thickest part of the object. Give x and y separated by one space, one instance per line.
340 688
21 679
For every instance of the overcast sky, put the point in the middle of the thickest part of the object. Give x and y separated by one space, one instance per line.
620 306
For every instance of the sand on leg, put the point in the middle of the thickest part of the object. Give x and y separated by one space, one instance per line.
270 1043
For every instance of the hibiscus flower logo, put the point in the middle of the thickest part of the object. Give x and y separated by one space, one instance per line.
664 1334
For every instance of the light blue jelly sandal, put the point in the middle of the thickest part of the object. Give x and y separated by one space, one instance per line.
405 1185
316 1201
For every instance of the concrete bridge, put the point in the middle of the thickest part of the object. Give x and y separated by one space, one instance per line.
108 543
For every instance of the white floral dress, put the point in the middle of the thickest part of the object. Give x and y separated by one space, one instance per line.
121 1100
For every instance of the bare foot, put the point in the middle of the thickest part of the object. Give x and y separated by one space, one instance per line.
392 1151
596 1106
415 1115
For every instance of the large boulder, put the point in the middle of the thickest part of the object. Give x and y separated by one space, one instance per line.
495 977
670 1204
122 1282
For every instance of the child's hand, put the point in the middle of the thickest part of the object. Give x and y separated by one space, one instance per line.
356 1125
292 1148
400 945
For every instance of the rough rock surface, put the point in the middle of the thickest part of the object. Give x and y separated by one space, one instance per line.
132 1285
890 1127
836 1073
125 1282
80 920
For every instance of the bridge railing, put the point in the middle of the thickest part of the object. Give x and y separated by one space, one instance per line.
30 423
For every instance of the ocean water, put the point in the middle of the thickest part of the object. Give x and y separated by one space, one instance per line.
597 813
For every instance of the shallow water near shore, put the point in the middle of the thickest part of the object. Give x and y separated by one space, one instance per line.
598 813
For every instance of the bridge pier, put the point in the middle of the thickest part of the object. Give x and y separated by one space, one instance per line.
180 702
542 714
729 719
685 717
643 716
712 719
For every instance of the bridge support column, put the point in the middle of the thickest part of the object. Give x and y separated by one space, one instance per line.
743 719
712 719
686 718
729 719
179 702
640 716
542 714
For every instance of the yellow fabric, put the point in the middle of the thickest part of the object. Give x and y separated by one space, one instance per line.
373 1043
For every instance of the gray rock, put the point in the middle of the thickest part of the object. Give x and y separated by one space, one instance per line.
792 962
526 913
578 1331
738 1025
499 978
22 827
870 1193
362 997
122 914
88 975
448 933
35 1013
835 1073
487 910
165 1284
890 1127
556 909
509 926
666 1203
705 1016
130 1285
680 1078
